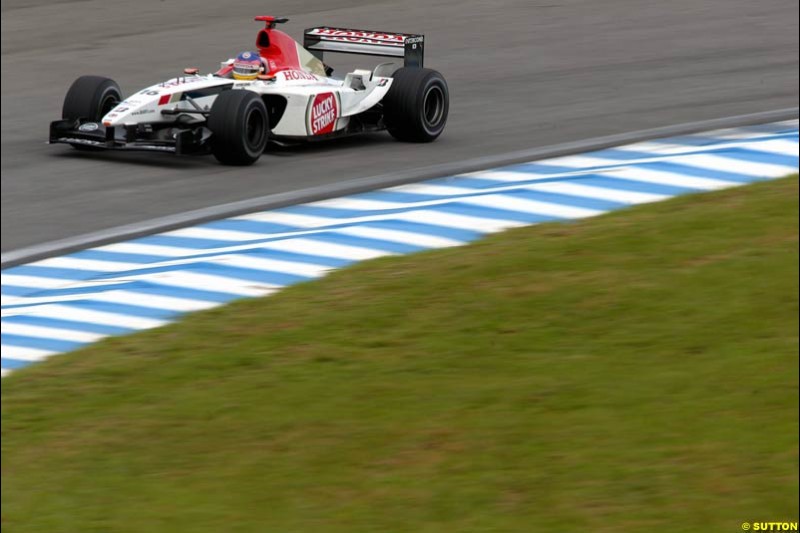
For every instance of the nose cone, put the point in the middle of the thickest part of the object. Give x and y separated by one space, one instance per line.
145 106
138 108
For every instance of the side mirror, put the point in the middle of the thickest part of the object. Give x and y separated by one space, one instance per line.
191 70
266 77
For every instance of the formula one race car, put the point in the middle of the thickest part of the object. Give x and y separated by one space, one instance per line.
281 93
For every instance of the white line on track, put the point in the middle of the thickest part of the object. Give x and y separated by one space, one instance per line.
668 178
422 216
24 353
559 187
43 332
119 296
66 312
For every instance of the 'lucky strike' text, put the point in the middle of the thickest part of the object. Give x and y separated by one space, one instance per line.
324 111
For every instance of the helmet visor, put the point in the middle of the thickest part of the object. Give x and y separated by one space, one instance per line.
246 70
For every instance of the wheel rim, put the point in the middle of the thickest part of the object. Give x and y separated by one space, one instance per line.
433 107
255 129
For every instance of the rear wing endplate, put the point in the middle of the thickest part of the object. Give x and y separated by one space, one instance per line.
375 43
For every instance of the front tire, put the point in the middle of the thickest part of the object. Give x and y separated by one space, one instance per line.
89 99
416 105
240 127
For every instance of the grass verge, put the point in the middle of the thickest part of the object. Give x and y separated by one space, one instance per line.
632 372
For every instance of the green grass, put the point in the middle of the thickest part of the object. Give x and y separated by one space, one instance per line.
633 372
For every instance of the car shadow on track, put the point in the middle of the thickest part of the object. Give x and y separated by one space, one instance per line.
330 145
162 160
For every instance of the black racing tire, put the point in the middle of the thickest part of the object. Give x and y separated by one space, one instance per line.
89 98
240 126
416 105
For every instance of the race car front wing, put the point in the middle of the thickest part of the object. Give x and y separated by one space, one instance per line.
192 139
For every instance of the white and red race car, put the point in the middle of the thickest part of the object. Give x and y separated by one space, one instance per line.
294 98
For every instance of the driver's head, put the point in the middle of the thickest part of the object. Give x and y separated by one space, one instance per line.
247 66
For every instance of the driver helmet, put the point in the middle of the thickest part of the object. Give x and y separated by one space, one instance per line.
247 66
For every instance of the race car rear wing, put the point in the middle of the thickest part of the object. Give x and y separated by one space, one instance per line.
375 43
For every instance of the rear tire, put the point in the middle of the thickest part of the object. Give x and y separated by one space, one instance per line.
89 98
240 127
416 106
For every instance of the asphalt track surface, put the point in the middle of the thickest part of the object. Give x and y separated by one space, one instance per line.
521 74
